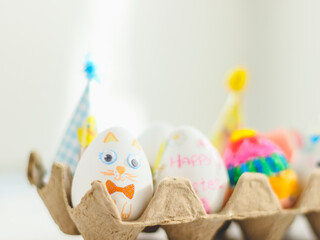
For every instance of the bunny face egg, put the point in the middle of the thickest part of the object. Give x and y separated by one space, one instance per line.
188 153
115 158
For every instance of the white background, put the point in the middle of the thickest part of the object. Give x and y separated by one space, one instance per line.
166 59
160 60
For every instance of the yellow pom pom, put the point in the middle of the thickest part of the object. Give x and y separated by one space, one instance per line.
242 133
237 79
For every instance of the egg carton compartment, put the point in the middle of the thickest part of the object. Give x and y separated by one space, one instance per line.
175 207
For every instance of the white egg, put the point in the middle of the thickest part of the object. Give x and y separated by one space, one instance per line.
152 138
115 158
188 153
307 157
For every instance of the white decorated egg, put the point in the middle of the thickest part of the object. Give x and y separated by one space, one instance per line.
307 157
115 158
152 138
188 153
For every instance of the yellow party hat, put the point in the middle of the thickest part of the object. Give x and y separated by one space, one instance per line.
231 117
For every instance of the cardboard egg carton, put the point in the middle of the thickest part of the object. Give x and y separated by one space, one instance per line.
175 207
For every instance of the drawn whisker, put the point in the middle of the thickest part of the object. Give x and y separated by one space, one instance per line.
130 175
131 179
108 173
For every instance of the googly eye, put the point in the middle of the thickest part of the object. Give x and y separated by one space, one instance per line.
108 157
133 161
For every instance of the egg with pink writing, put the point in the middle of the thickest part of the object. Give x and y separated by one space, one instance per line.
117 160
188 153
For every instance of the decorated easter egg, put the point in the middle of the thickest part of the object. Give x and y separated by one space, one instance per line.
188 153
307 157
115 158
248 151
152 138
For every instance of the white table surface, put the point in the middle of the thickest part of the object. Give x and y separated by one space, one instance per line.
24 216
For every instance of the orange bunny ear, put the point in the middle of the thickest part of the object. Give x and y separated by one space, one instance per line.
136 144
110 138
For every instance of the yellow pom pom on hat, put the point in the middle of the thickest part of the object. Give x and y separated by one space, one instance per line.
237 79
241 134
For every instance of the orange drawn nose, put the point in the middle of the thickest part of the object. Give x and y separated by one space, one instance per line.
121 169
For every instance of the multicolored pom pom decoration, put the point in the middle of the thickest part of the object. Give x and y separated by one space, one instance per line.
248 151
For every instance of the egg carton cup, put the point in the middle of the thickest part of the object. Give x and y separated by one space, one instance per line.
175 207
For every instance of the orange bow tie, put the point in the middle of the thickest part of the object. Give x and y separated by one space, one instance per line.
128 191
